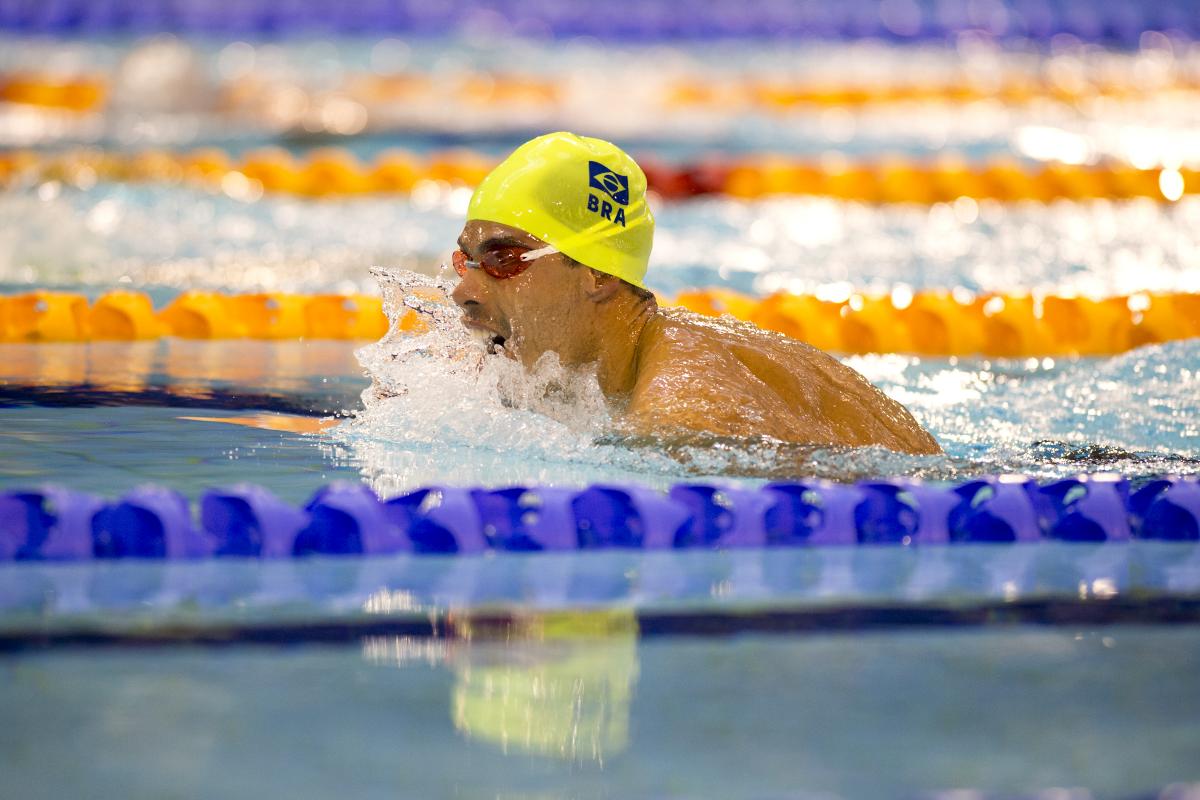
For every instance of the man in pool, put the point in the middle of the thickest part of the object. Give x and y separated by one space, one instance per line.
552 259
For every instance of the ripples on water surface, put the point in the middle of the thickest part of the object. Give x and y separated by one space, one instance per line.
571 713
53 234
1132 413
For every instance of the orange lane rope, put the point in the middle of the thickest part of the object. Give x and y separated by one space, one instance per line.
1055 81
959 323
1059 81
1010 90
334 172
932 322
76 93
49 316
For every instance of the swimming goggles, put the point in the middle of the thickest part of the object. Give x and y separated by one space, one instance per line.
501 263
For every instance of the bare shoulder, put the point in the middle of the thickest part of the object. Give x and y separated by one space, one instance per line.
732 378
688 378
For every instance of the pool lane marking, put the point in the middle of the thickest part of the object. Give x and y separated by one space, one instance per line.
170 396
1046 612
288 423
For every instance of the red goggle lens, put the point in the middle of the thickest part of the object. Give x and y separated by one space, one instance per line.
502 263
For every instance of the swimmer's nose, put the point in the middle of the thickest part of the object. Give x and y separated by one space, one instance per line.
470 289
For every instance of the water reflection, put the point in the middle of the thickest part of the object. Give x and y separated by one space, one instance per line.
303 376
428 588
557 684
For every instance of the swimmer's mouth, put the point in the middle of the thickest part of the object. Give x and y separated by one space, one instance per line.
489 337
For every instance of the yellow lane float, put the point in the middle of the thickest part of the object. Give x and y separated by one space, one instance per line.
932 322
337 173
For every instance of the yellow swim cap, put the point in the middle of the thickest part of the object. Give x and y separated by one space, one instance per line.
584 196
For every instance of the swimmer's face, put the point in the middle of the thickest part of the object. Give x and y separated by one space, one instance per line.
531 313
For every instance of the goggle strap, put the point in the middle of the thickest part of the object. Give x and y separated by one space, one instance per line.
533 255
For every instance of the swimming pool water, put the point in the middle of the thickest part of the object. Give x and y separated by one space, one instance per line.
92 417
597 77
1050 417
1042 670
997 712
171 238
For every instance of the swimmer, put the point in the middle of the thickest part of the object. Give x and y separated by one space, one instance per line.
552 259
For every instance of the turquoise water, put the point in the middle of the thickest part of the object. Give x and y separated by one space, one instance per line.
165 238
107 417
948 676
1000 712
104 417
1046 670
909 671
138 598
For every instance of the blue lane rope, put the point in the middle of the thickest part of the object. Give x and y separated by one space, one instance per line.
58 524
1119 22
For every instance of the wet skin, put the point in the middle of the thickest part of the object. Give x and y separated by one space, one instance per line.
669 371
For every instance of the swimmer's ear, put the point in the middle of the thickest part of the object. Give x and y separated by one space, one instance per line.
600 286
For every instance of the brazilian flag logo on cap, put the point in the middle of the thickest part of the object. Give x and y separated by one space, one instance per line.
611 183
